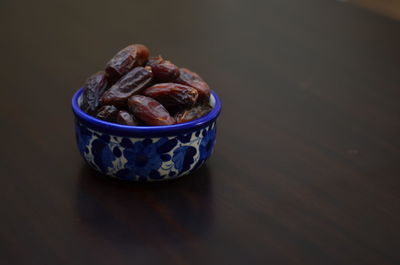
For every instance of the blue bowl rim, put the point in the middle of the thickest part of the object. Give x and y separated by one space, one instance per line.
144 131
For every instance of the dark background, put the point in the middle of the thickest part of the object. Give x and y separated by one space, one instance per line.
306 168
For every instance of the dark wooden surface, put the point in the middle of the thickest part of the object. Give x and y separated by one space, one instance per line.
306 168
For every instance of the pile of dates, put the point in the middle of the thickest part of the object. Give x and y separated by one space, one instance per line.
139 90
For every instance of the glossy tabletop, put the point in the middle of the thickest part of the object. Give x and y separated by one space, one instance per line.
306 168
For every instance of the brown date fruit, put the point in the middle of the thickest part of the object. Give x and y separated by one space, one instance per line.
154 60
126 59
107 113
133 82
149 111
192 113
92 91
125 118
189 78
172 96
163 70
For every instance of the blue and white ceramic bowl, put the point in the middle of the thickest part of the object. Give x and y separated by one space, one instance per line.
145 153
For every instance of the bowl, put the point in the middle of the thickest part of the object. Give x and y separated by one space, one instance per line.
145 153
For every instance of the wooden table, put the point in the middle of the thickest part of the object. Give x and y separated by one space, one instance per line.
306 168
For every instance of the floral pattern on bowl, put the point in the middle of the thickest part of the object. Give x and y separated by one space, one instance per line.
145 159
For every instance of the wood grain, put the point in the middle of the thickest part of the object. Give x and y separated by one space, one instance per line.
306 167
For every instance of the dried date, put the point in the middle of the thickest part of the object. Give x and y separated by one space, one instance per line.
137 90
172 96
125 118
107 113
131 83
192 113
163 70
154 60
92 91
149 111
189 78
126 59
